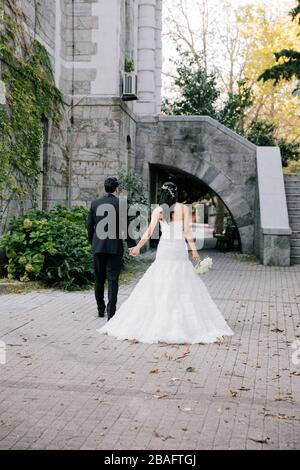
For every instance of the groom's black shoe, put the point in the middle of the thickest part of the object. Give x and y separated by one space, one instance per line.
101 313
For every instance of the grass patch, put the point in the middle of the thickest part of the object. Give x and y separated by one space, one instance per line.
8 286
132 269
248 258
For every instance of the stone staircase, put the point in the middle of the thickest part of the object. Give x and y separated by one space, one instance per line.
292 188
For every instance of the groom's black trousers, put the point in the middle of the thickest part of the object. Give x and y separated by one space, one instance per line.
107 266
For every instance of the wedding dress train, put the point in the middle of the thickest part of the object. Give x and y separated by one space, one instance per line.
170 303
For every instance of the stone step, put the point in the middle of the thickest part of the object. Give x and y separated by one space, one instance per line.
295 242
295 251
292 181
295 235
292 193
295 226
292 187
293 190
293 204
293 211
295 259
292 177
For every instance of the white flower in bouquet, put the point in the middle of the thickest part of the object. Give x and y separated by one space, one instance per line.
204 265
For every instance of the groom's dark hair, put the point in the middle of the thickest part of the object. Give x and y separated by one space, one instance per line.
111 184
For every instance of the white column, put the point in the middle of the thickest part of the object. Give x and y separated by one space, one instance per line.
107 37
158 55
57 58
146 103
135 31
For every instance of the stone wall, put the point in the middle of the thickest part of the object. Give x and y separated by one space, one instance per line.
55 165
216 155
102 133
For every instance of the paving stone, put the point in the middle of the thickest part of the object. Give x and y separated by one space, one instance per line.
64 386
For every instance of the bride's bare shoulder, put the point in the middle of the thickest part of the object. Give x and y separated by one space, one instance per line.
157 211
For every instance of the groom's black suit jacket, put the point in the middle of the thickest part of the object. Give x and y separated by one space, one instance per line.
108 245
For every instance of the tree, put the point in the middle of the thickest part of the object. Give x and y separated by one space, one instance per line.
263 133
265 32
198 95
288 62
197 89
233 113
197 26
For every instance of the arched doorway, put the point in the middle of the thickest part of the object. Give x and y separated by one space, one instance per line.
216 156
191 190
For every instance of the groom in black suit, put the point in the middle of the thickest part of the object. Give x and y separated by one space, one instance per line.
107 245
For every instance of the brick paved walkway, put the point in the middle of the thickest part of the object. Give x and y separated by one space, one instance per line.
65 386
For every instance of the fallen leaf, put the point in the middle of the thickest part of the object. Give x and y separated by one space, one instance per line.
278 398
295 372
287 397
168 356
184 354
159 397
260 441
277 330
281 416
184 429
244 389
233 393
153 371
190 369
162 437
234 375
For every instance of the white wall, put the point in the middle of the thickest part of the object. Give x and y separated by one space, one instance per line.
107 38
272 199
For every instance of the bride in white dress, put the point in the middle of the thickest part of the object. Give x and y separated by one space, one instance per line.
170 303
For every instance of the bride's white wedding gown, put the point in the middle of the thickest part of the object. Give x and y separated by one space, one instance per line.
170 303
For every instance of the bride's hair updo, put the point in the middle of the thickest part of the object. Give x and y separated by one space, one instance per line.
168 197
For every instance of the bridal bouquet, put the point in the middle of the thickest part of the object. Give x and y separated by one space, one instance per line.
204 265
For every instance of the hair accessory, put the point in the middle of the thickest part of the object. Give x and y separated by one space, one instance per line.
170 190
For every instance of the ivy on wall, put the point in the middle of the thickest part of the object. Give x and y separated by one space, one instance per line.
31 95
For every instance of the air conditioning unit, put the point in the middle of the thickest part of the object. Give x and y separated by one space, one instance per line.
129 91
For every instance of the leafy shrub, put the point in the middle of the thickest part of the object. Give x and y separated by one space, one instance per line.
133 186
51 247
292 167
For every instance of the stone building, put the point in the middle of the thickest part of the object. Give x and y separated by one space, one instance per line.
89 42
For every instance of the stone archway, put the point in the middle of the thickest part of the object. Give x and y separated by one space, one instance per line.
215 155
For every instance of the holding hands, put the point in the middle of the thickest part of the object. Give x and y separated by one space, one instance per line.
135 251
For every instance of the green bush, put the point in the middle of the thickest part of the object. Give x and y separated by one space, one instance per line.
292 167
51 247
